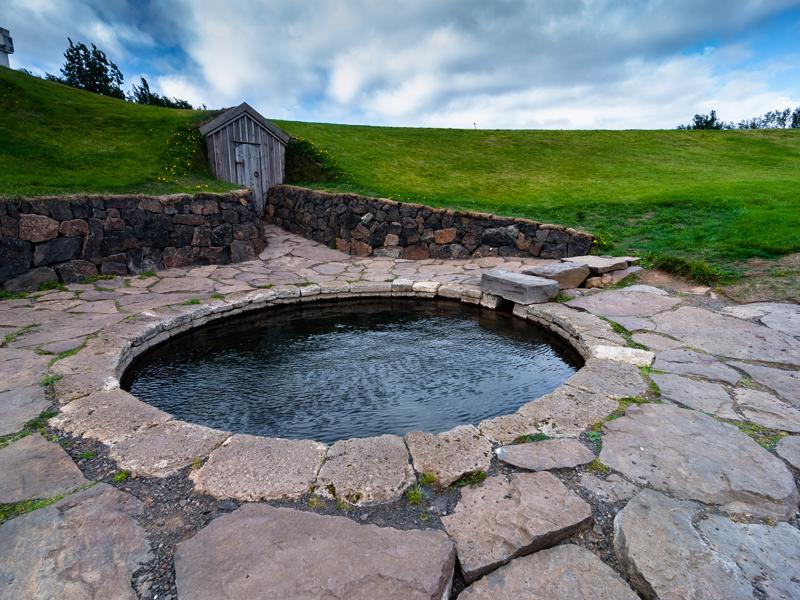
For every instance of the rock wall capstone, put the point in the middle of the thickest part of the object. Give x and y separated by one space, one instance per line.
72 238
366 226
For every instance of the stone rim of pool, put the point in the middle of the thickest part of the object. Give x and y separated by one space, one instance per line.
149 442
336 370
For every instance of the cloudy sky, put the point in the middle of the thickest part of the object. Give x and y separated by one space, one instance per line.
440 63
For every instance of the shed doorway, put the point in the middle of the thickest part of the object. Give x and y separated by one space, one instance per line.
249 169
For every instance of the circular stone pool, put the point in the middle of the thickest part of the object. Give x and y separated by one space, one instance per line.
339 370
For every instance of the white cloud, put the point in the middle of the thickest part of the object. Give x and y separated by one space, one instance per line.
518 63
40 29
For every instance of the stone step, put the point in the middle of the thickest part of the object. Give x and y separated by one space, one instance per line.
602 264
568 275
518 287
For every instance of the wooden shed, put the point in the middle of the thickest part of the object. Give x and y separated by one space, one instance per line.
245 148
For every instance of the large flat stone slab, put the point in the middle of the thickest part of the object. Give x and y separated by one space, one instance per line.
21 396
728 336
670 550
166 448
88 545
711 398
564 453
565 572
20 405
695 457
518 287
765 409
366 470
279 553
620 303
789 450
568 275
688 362
599 264
109 416
449 455
35 468
507 517
251 468
783 382
780 316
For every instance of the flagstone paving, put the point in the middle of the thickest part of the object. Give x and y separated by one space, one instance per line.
679 504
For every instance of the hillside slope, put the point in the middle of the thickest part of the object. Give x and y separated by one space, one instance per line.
56 139
721 196
716 195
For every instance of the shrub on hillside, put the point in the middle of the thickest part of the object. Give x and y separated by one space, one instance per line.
307 163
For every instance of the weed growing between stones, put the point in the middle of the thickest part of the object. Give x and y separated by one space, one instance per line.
472 479
37 425
763 436
191 302
217 296
87 455
652 387
342 505
414 495
626 334
597 467
596 439
428 479
561 297
53 284
16 509
9 338
315 502
121 476
49 380
147 274
6 295
623 404
65 354
528 438
94 278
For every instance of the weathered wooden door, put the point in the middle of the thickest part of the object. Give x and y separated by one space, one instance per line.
248 171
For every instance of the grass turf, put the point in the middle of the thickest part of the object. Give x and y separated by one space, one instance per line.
57 139
718 196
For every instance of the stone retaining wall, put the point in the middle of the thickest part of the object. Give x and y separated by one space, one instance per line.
376 227
71 238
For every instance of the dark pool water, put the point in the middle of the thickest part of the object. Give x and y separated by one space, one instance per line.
335 371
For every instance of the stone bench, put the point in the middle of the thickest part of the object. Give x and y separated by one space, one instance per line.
518 287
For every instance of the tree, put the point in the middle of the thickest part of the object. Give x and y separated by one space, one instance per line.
142 94
795 123
91 70
708 121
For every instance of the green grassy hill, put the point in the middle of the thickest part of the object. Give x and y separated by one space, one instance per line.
719 196
56 139
713 195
